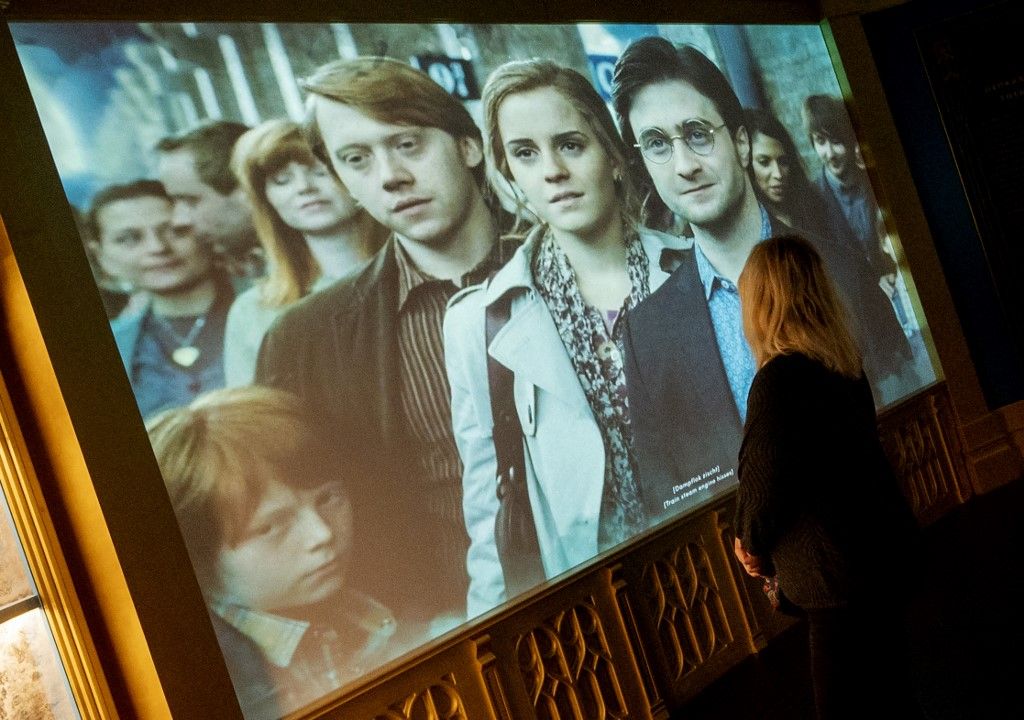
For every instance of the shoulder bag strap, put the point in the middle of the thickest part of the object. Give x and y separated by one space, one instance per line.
515 533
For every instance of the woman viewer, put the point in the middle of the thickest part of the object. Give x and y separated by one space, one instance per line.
818 505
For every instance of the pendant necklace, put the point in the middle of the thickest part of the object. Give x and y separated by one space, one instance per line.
186 353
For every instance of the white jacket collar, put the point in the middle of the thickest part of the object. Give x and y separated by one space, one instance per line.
517 273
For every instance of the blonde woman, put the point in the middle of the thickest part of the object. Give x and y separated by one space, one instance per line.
567 289
818 507
311 229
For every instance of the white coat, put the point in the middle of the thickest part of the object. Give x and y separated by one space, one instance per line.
563 448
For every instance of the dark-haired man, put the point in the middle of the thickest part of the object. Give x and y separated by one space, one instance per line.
850 207
171 343
688 364
195 167
367 353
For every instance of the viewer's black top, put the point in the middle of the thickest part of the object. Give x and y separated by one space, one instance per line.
817 496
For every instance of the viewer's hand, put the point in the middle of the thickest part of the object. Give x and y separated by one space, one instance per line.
750 563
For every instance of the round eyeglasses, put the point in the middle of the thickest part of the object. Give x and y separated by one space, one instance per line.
695 134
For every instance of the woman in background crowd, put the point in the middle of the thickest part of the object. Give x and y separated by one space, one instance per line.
262 507
564 294
171 334
779 177
818 506
311 230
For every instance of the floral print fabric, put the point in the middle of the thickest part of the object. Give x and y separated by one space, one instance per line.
596 355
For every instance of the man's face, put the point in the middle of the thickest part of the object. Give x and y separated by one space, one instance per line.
220 219
702 189
138 244
415 180
294 550
835 155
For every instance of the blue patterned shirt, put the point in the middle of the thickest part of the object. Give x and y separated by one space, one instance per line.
724 305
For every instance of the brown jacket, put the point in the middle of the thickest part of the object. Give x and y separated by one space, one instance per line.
337 349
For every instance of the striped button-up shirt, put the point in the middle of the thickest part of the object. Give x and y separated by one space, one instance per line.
426 401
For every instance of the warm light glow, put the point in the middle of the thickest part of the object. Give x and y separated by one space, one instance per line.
31 360
32 681
14 579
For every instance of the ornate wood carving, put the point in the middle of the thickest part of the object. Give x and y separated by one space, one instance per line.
493 681
568 669
440 701
923 444
682 594
635 637
763 622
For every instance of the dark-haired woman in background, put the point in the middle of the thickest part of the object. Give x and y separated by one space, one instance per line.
818 506
779 176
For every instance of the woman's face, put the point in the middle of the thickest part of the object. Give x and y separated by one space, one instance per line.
772 167
294 550
308 198
139 244
558 162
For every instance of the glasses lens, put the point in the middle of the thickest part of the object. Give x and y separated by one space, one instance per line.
656 147
699 137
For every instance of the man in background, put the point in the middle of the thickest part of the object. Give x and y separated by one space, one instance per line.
195 168
850 207
688 365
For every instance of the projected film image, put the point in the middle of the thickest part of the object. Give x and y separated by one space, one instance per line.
419 317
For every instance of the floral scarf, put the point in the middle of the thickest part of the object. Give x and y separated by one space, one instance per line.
596 355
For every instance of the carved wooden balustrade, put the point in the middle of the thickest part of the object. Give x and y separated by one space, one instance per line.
639 632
